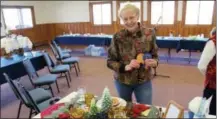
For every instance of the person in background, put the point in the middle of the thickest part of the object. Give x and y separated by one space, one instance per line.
207 66
131 77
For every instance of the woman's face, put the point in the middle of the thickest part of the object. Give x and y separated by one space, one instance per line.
130 19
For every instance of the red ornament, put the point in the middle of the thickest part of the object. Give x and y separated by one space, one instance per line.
138 109
64 116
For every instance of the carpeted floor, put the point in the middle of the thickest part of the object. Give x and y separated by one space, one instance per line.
185 82
163 58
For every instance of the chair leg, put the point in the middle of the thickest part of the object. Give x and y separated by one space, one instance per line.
34 112
67 79
78 67
57 87
69 76
30 113
61 75
76 70
51 90
19 109
70 67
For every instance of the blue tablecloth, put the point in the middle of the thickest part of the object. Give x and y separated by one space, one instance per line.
166 42
83 40
15 68
191 45
177 43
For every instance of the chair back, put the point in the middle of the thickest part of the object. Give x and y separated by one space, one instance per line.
30 99
58 52
48 60
16 88
58 49
53 50
30 69
54 43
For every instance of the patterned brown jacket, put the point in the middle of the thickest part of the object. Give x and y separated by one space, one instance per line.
124 47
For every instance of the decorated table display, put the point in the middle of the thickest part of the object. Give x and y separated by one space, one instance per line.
15 44
88 106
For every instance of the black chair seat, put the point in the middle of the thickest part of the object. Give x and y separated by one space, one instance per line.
39 95
60 69
44 105
66 50
70 60
65 55
45 80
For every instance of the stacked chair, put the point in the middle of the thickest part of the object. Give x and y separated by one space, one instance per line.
62 56
36 99
58 68
63 50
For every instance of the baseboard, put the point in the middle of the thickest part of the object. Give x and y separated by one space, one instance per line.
40 43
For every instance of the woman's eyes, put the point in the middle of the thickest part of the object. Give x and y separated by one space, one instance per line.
130 18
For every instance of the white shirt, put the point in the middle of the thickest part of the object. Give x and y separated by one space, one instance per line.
207 55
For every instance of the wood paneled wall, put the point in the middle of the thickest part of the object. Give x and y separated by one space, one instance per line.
44 33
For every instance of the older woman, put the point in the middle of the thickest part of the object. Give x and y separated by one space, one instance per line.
130 76
207 66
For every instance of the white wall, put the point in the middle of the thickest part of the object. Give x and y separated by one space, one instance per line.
65 11
69 11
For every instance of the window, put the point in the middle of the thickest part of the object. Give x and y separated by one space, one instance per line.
137 4
101 13
162 12
199 12
17 18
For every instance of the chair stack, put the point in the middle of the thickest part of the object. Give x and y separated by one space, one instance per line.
64 57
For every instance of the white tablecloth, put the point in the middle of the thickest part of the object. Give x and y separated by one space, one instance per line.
65 99
15 42
72 95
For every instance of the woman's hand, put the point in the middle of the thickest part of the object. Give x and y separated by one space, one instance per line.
150 63
128 68
133 64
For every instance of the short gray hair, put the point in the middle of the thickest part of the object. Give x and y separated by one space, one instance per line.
131 6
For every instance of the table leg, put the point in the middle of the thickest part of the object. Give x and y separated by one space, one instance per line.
169 54
189 60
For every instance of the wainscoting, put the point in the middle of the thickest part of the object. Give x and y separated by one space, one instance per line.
43 33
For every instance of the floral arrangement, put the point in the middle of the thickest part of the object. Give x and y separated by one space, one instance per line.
15 44
171 34
88 106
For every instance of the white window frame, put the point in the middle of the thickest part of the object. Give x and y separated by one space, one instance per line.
174 15
91 4
20 15
198 15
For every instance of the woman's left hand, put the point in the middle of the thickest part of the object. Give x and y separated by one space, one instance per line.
150 63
